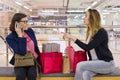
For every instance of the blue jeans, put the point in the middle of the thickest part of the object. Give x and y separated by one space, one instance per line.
87 69
23 72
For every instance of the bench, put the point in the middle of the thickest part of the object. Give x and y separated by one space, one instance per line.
7 73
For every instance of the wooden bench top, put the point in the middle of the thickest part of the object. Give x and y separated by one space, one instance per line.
9 72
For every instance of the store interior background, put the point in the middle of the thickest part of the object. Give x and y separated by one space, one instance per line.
49 18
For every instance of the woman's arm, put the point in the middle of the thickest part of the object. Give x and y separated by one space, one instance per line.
18 44
98 39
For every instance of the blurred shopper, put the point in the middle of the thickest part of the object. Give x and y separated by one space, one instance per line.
96 46
22 39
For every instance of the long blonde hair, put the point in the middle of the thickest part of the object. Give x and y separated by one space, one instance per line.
94 23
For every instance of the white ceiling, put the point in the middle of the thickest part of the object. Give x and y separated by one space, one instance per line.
37 5
78 7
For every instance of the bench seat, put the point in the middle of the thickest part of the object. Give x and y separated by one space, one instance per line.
7 73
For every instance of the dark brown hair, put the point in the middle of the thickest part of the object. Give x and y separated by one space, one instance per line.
16 18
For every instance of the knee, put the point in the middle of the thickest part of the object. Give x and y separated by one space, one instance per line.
32 76
20 76
80 65
32 73
87 75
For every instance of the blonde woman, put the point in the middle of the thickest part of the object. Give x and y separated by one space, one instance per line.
100 57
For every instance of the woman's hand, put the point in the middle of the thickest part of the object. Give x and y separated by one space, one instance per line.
68 36
18 29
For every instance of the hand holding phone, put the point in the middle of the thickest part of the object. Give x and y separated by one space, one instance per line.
18 29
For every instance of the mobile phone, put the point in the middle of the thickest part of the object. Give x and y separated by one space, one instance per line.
18 25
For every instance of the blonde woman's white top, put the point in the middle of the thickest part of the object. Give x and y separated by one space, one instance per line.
92 51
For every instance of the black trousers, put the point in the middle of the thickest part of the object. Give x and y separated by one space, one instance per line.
23 72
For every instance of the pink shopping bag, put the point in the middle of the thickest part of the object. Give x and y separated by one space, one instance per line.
78 57
70 54
75 57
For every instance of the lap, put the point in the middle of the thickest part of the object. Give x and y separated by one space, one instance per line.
98 66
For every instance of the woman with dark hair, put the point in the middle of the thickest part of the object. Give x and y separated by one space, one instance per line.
100 57
22 39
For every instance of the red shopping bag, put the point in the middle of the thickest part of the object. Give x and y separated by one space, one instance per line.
51 62
70 54
78 57
75 57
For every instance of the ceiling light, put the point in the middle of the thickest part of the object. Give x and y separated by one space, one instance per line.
75 11
106 13
76 16
30 9
18 3
88 8
49 11
117 13
93 4
25 7
110 11
115 8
